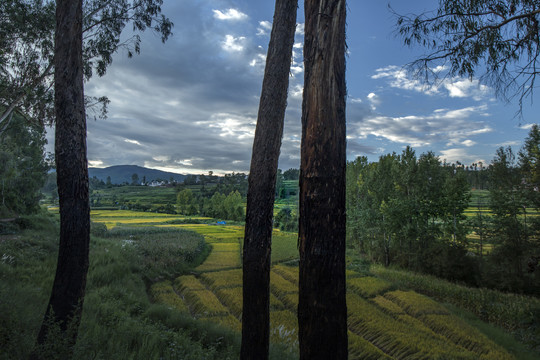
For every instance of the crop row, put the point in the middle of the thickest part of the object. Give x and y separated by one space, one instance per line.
383 324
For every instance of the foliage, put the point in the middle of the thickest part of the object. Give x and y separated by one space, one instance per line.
23 169
118 320
403 208
286 220
291 174
497 36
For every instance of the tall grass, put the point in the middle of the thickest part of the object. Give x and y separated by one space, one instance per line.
118 321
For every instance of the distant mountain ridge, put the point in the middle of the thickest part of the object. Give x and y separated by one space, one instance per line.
123 173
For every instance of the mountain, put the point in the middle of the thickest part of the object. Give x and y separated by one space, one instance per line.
123 173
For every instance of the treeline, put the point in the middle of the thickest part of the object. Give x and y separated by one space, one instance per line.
219 206
409 211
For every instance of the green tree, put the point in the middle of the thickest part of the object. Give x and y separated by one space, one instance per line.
184 201
233 207
510 234
135 179
23 169
500 37
456 197
291 174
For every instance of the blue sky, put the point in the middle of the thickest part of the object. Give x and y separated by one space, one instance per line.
190 105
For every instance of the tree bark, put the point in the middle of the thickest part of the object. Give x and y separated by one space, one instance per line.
66 301
322 311
262 182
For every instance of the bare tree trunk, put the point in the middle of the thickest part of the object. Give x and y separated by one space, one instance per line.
262 182
65 304
322 311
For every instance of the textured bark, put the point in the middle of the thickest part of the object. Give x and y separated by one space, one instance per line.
322 311
262 182
65 304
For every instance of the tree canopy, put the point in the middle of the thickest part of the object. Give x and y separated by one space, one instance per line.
27 43
498 38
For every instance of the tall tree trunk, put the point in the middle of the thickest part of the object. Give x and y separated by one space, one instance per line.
322 311
65 304
262 182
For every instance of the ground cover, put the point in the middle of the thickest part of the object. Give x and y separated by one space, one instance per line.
384 322
395 327
118 321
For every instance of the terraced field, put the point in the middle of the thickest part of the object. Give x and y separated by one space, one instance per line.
384 323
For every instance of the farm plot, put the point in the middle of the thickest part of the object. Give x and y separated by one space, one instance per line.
384 323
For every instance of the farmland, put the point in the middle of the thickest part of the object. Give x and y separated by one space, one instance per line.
385 320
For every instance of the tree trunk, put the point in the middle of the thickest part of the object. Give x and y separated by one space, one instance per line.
65 304
262 182
322 311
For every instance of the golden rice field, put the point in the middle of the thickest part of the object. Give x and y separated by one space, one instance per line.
383 322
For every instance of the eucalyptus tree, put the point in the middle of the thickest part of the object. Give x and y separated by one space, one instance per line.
262 184
67 296
322 310
498 38
73 60
27 39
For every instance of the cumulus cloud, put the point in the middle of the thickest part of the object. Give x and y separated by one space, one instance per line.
232 43
230 15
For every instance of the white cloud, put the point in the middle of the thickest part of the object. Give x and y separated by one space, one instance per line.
466 88
455 87
441 126
509 143
233 44
297 91
468 143
461 155
230 14
300 27
264 28
161 158
130 141
526 126
95 163
373 100
233 125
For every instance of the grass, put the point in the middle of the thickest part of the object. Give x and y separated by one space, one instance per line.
118 319
197 315
517 314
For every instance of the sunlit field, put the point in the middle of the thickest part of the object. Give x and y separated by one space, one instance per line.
385 321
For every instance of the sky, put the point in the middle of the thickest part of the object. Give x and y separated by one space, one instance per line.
190 105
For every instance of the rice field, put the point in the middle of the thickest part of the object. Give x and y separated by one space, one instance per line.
384 322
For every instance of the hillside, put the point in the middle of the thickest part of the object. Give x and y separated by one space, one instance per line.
123 173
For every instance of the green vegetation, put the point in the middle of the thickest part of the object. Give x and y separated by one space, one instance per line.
23 168
420 214
194 305
516 313
118 319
